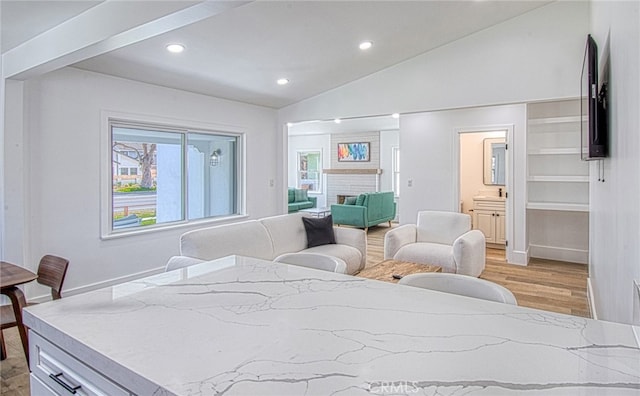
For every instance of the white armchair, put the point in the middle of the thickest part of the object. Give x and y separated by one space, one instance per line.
439 238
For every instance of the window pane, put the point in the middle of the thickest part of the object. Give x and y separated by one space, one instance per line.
309 167
211 175
396 170
156 195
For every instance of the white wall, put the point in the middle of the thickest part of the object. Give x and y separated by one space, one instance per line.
54 189
615 215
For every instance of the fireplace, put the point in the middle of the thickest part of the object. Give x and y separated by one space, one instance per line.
341 198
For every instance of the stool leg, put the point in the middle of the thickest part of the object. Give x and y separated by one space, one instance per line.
18 302
3 348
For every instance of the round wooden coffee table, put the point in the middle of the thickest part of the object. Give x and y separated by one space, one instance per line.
386 270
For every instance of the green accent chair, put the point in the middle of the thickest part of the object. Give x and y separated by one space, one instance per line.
369 209
299 199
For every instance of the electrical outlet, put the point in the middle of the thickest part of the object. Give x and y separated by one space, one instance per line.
271 183
410 183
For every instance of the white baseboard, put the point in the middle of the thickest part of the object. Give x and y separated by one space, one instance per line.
561 254
591 300
519 257
99 285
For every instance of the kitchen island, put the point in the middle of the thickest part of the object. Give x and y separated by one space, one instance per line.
243 326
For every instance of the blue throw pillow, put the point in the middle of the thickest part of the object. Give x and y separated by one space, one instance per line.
319 231
360 199
350 201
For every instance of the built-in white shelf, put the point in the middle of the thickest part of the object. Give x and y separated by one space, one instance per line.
556 120
555 151
562 206
564 179
557 182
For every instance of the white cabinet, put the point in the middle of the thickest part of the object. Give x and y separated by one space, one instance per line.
54 372
557 182
489 217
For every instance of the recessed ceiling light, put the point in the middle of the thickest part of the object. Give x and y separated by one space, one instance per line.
337 120
395 115
283 81
365 45
175 48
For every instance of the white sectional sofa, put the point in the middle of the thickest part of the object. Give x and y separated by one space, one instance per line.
268 238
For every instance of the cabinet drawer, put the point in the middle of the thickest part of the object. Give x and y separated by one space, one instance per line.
65 375
488 205
38 388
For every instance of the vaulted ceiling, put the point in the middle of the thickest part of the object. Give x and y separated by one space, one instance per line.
239 54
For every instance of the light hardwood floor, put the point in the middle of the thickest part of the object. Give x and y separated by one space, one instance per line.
543 284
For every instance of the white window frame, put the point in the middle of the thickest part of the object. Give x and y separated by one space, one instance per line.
108 118
395 171
298 170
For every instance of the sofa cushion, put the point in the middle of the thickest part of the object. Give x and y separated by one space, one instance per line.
319 231
442 227
351 256
305 205
220 241
350 200
360 201
291 195
428 253
301 195
287 233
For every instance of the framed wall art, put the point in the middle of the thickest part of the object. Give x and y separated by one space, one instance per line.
353 152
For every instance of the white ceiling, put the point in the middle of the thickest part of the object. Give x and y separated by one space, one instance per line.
348 125
240 53
23 20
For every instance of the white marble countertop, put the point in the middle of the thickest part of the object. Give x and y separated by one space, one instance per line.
242 326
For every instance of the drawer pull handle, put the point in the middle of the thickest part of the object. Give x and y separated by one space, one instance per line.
71 389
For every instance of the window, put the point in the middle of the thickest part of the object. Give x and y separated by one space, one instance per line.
309 170
395 155
163 175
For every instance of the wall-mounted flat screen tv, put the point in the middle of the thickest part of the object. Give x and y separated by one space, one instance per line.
593 105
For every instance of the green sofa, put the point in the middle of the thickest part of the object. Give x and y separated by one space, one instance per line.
298 199
369 209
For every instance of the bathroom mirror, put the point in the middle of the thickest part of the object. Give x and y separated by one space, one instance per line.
494 161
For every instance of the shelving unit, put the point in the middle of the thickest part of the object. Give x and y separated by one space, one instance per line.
553 147
557 182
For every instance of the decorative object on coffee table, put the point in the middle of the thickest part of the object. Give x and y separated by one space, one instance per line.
394 270
317 212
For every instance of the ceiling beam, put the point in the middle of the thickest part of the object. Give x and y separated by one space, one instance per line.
106 27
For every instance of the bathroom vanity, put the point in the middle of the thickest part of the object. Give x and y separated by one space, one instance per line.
489 217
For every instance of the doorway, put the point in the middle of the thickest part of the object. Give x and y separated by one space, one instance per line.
483 184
